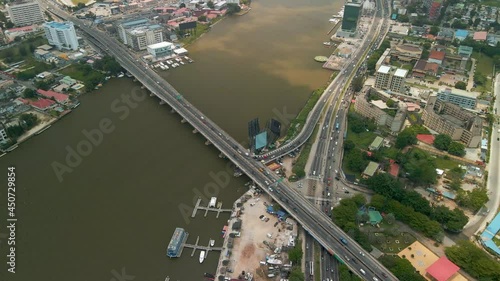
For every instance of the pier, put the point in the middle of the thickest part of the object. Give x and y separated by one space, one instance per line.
195 247
207 208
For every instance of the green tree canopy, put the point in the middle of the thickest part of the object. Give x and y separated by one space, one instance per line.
233 8
211 4
456 148
406 137
401 268
442 142
461 85
474 261
29 93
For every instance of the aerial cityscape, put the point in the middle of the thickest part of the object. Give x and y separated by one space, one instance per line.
132 140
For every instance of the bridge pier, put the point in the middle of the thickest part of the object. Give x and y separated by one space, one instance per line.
183 120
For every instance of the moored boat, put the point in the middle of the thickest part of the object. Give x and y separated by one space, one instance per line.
212 242
202 256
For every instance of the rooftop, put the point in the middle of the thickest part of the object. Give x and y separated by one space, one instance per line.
461 33
371 169
459 92
51 94
480 35
160 45
59 25
426 138
443 269
380 104
437 55
393 168
401 72
384 69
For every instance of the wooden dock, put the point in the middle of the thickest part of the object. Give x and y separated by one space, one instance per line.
217 210
195 247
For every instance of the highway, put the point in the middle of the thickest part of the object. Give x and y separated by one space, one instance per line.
313 220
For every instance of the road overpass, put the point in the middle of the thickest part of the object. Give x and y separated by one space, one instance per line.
313 220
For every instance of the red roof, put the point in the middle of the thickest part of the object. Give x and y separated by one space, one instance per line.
429 139
480 35
51 94
393 168
442 269
437 55
42 103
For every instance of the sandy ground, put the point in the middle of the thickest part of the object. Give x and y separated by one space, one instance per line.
44 121
249 249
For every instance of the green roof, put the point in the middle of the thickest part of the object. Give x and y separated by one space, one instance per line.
377 142
371 169
375 217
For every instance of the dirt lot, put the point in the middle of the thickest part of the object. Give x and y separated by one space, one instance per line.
249 249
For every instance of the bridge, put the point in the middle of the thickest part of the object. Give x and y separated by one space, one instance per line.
315 222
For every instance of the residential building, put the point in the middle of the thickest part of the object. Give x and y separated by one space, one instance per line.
25 12
480 36
62 35
450 119
465 51
12 33
423 68
407 52
461 98
436 57
376 143
59 97
447 34
162 49
433 8
352 13
3 134
385 58
123 26
391 78
66 80
378 111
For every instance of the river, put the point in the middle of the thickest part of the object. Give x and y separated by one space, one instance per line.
100 193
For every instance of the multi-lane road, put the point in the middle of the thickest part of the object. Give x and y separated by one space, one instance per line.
313 220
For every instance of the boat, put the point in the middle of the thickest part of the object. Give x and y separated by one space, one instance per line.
175 245
162 67
182 62
76 105
212 242
202 256
327 44
128 75
213 200
208 275
120 75
166 67
274 261
219 205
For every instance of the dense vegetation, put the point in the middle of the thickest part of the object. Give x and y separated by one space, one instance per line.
26 122
474 261
401 268
372 61
108 65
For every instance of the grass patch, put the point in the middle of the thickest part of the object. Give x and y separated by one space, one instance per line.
21 51
317 266
484 63
31 68
493 3
390 152
299 121
443 164
300 164
200 29
388 243
362 140
468 66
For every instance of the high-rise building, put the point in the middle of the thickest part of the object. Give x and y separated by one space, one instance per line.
139 33
352 13
25 12
62 35
391 78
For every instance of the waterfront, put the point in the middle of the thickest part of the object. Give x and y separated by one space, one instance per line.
119 207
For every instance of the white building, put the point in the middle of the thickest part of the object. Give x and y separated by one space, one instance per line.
390 78
24 13
61 34
162 49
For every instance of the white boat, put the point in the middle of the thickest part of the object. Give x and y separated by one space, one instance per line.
120 75
274 261
212 203
162 67
202 256
212 242
327 43
182 62
174 65
166 67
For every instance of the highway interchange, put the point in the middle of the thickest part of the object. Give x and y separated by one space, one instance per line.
313 220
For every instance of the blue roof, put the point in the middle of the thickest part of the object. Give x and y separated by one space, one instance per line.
59 25
394 16
261 140
461 33
490 232
134 22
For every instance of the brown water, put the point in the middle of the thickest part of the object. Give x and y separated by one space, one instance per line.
114 210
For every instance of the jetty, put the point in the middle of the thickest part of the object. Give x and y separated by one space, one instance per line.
195 247
208 208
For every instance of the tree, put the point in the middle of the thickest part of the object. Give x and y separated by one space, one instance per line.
461 85
349 145
28 120
406 137
295 254
474 261
29 93
233 8
357 84
211 4
182 5
390 103
474 199
401 268
356 160
456 148
434 30
202 18
390 218
296 274
442 142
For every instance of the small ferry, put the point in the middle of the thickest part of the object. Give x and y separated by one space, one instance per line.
202 256
212 242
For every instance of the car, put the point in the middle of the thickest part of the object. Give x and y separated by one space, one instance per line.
361 253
